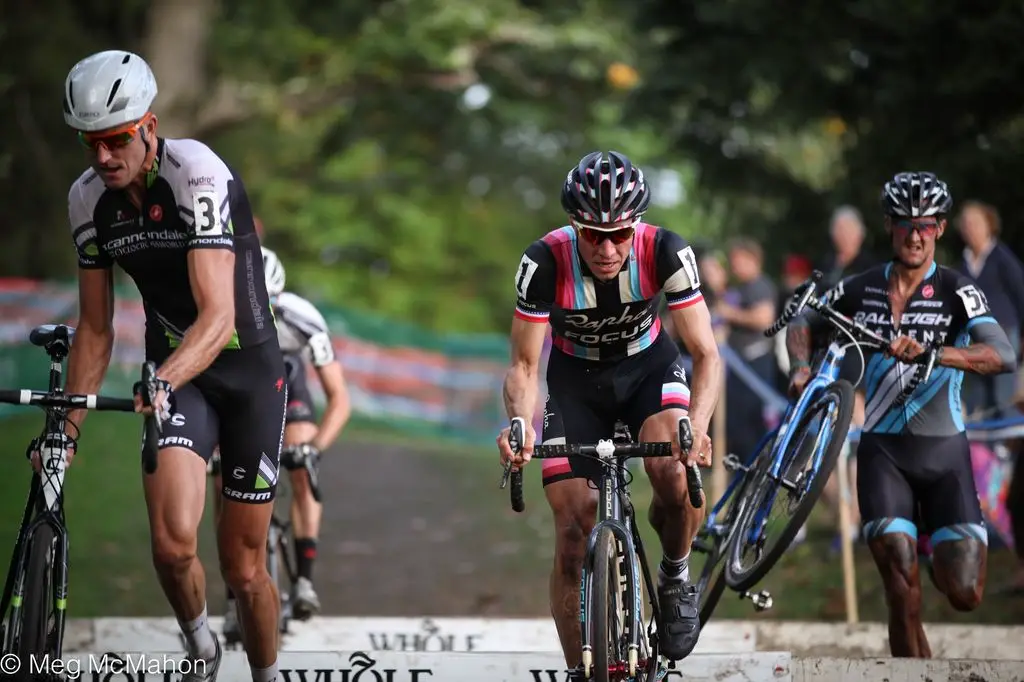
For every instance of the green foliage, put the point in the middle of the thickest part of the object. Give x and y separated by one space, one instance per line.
403 153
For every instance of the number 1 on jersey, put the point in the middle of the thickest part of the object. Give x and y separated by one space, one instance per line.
527 266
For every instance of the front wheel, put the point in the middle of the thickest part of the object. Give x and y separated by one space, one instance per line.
607 615
37 613
820 431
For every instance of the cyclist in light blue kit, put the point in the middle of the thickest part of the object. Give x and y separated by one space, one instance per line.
914 460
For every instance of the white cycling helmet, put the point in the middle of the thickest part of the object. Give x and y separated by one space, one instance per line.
273 271
108 89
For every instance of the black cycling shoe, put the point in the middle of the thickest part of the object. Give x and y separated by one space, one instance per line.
680 615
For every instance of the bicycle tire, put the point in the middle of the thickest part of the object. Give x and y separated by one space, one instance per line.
711 584
605 592
740 579
34 638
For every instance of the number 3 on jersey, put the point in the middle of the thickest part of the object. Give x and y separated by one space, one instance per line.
527 266
207 214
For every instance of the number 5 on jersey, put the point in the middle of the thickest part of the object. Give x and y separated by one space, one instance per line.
206 206
974 301
527 266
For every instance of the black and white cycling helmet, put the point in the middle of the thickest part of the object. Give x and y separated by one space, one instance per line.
108 89
604 189
273 272
916 195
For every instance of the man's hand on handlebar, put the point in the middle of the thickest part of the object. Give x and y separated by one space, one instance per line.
294 457
798 378
700 451
906 349
519 459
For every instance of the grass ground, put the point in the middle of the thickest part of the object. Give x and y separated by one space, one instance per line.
409 529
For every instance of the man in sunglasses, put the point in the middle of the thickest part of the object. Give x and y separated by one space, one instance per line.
914 471
598 282
173 216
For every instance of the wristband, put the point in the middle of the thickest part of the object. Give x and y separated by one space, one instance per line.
795 367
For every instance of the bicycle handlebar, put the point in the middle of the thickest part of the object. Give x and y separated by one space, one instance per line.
606 451
67 401
56 341
804 297
296 457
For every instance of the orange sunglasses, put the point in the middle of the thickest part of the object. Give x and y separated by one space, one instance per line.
114 138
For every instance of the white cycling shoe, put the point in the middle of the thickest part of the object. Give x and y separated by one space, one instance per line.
202 671
307 603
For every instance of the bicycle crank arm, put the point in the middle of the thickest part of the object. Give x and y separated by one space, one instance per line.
762 600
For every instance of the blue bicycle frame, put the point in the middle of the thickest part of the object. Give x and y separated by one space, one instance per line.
826 374
711 525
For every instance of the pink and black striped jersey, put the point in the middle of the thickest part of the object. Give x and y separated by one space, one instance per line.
605 321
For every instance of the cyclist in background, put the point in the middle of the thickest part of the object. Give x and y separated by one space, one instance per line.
915 472
303 334
598 281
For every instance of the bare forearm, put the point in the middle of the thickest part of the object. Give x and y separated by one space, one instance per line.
520 391
335 417
798 343
978 358
707 380
202 344
87 365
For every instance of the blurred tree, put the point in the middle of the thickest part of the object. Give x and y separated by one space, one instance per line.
790 112
400 153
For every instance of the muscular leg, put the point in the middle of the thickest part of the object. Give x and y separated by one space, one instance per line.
175 497
893 544
305 511
959 559
574 507
671 514
305 514
676 523
242 544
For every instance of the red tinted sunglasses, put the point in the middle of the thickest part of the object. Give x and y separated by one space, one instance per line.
115 138
926 229
596 236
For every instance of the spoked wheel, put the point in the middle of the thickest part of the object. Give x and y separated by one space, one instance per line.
818 440
713 542
38 617
607 608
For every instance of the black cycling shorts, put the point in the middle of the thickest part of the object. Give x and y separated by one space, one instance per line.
586 398
908 483
238 402
300 400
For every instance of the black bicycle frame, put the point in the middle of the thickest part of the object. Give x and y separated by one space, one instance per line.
36 514
616 513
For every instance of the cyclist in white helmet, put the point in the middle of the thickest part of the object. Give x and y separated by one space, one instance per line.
171 214
303 334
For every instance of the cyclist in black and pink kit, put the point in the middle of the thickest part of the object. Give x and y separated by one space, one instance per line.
598 282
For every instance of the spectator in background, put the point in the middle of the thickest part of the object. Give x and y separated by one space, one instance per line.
848 257
795 271
1000 275
259 227
748 315
715 279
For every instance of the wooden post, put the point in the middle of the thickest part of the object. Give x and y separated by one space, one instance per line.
846 542
719 476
